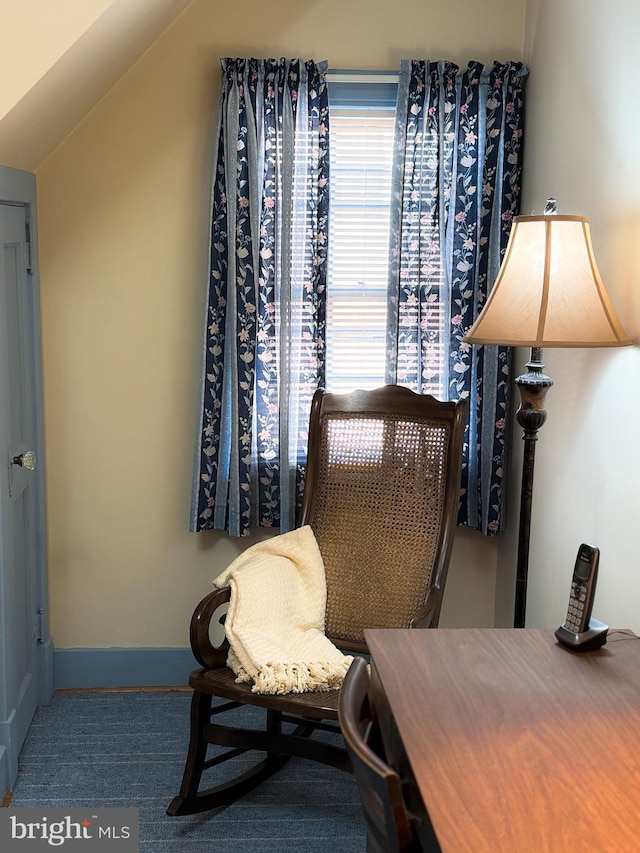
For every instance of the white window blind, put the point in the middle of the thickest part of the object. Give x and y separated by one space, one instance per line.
361 159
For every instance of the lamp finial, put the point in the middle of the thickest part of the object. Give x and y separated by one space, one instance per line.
550 208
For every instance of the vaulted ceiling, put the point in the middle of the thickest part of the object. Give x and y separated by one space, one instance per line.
57 60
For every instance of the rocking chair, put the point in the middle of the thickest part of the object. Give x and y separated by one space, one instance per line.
381 496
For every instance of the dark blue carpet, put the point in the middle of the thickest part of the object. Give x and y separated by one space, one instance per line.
127 749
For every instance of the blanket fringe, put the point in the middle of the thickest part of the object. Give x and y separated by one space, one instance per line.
281 678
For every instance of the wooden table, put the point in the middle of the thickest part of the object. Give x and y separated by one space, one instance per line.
515 743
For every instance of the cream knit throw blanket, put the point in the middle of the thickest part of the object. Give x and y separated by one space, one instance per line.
275 621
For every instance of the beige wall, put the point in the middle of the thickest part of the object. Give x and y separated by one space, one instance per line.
123 204
33 36
58 59
582 148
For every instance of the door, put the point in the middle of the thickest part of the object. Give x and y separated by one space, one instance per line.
25 653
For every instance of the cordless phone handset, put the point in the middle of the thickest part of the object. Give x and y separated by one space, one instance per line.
583 587
579 631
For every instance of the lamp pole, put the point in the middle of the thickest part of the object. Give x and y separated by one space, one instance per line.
531 415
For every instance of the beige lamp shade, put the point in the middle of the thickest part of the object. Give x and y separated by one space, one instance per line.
548 292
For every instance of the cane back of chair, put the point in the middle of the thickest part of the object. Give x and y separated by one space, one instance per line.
382 491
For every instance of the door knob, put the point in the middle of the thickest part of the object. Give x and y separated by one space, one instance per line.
26 460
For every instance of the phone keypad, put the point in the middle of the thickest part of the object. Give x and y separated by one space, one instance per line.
577 602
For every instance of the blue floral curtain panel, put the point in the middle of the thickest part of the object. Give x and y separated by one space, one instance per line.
265 325
457 178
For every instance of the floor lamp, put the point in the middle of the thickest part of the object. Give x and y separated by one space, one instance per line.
548 293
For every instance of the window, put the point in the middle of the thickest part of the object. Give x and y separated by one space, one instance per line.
362 120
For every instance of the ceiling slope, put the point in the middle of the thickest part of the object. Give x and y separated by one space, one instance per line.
34 34
61 96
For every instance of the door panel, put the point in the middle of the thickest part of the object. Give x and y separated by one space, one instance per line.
21 505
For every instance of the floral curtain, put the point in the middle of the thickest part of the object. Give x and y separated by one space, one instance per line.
457 177
265 313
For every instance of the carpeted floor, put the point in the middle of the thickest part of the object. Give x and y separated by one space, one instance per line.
127 749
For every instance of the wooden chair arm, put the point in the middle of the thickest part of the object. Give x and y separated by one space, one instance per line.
208 641
426 616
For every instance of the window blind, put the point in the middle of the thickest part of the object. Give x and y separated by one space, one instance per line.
361 160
